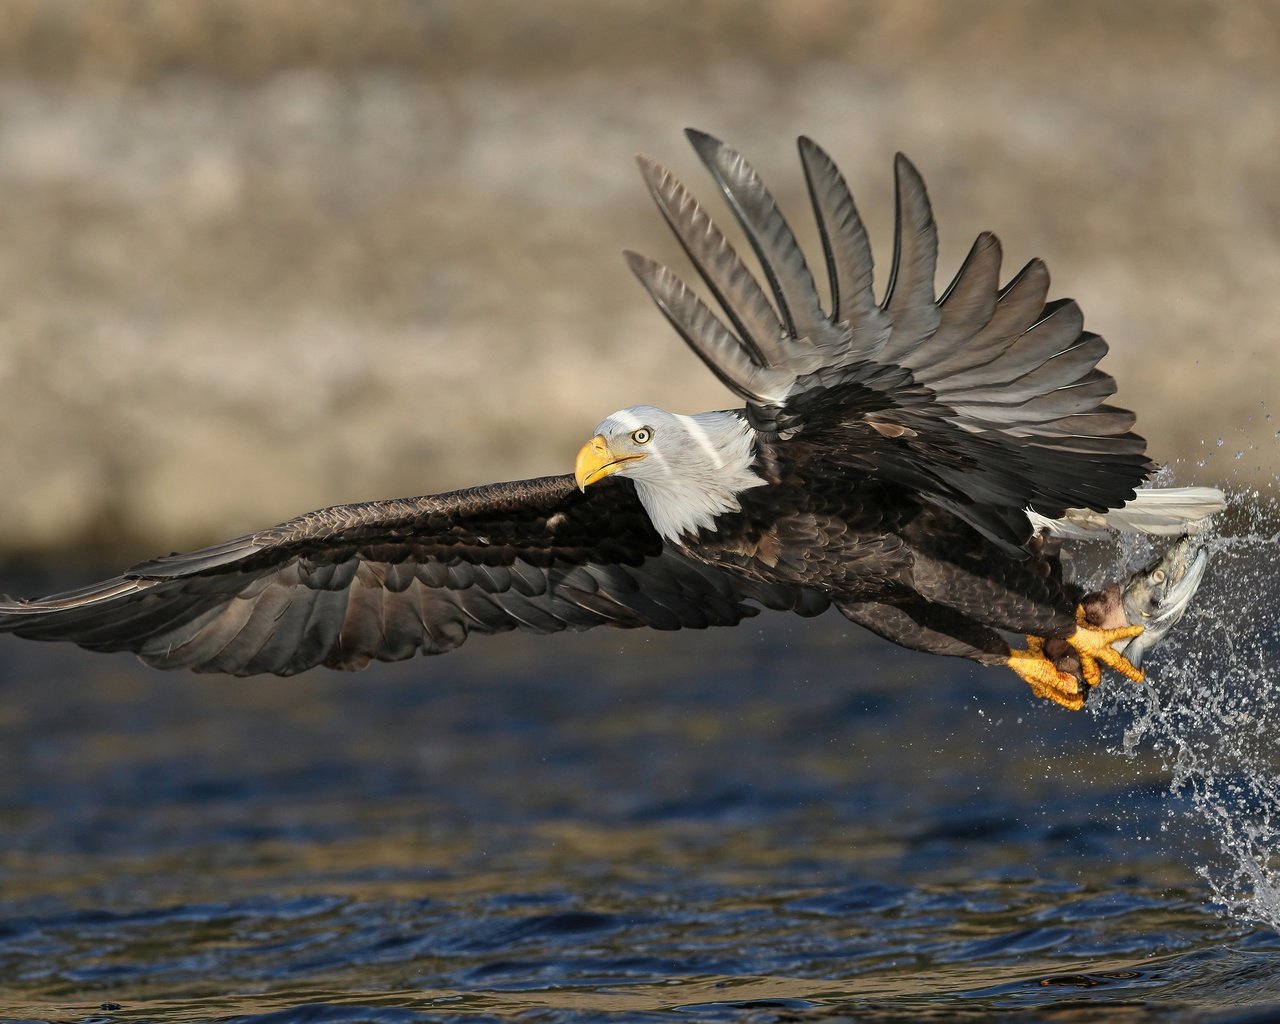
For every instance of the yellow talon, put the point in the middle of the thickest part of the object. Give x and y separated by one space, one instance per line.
1094 646
1043 676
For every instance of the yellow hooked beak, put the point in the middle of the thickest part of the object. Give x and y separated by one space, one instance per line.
595 462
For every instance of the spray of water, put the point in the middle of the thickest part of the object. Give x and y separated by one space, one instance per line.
1211 709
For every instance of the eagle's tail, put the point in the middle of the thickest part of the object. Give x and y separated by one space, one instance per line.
1161 511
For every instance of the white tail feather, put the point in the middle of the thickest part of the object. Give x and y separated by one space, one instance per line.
1162 511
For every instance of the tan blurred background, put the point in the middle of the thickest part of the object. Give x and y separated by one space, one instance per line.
259 256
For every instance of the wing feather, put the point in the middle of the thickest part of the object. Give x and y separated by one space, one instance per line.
286 632
732 284
770 236
966 307
986 401
1019 305
909 298
386 580
848 251
723 352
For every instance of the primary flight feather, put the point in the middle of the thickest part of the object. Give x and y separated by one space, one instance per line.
910 460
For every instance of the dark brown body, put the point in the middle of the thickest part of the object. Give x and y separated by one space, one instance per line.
909 571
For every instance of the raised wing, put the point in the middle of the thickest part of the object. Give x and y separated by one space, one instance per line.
987 400
389 579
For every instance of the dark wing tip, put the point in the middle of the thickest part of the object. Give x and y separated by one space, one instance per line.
807 146
902 165
1033 274
715 155
988 245
701 140
640 265
913 196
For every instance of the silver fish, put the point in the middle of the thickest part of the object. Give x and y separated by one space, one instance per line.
1157 597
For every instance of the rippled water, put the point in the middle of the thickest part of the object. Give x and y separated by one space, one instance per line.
784 821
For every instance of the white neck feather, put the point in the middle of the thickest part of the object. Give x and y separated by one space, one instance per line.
707 478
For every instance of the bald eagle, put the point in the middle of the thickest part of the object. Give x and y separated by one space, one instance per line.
906 459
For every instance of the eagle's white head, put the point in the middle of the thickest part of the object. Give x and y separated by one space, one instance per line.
687 469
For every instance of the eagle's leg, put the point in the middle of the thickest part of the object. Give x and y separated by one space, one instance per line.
1051 668
1092 643
1060 669
908 620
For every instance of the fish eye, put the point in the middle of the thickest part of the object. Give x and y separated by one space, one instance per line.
642 435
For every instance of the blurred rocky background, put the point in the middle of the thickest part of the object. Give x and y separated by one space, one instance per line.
260 256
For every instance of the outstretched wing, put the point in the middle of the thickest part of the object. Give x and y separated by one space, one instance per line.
384 580
987 401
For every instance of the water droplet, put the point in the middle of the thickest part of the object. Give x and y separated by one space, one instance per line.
1215 715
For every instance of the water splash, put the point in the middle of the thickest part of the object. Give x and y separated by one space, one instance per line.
1212 708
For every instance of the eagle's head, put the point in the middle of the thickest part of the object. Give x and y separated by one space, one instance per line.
687 469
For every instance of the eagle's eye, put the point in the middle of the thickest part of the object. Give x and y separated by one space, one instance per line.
641 435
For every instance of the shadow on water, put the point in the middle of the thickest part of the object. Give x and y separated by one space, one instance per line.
784 821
